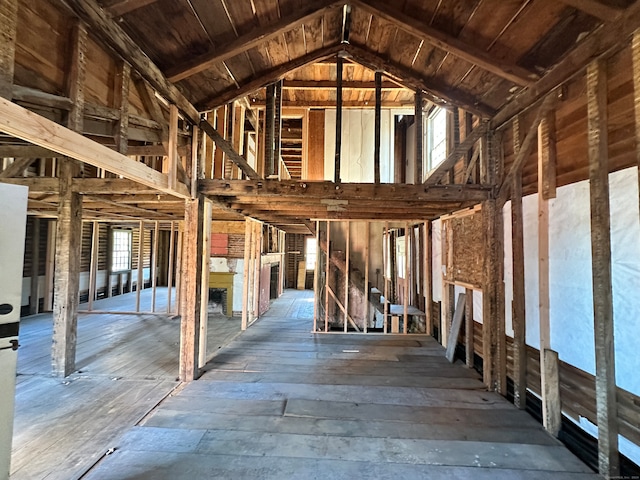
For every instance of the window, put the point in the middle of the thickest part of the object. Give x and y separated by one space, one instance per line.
437 137
311 249
120 250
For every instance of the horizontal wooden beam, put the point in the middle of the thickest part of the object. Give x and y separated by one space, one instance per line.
607 39
122 7
344 191
606 13
265 78
251 39
26 151
460 150
107 30
26 125
434 90
330 84
467 51
332 104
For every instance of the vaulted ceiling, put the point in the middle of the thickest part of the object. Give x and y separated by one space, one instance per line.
476 54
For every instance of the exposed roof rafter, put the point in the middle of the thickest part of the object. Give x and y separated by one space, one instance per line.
449 43
250 40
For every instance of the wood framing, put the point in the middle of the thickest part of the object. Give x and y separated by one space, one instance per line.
606 403
250 40
8 20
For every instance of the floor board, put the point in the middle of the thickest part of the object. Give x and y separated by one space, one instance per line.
279 402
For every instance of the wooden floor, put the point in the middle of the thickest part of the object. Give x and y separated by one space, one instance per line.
126 365
279 402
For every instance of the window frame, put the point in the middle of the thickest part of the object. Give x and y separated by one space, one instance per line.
431 121
113 252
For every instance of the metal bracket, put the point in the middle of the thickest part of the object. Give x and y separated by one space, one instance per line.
14 345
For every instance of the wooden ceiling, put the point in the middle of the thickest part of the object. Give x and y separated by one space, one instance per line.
473 53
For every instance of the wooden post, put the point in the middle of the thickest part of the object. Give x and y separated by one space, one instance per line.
468 328
257 268
172 154
172 241
338 119
277 138
190 286
407 261
49 271
219 155
367 230
326 278
385 266
316 279
140 270
154 264
197 159
346 277
248 230
34 295
378 118
551 408
69 226
518 306
179 263
204 281
269 129
417 178
428 297
93 266
635 50
8 20
67 274
607 410
122 105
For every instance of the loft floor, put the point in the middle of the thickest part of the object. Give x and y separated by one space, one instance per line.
279 402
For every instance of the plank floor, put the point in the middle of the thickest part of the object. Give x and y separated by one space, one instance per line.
279 402
126 365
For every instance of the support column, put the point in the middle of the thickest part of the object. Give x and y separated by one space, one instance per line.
417 177
518 305
378 118
269 131
428 296
190 287
49 269
34 294
606 406
205 253
246 274
550 385
67 275
338 119
277 137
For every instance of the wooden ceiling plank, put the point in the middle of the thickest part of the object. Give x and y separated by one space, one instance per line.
250 40
449 43
607 39
266 78
606 13
112 34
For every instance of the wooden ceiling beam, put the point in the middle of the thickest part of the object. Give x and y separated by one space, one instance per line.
344 191
332 104
265 78
109 32
606 13
250 40
122 7
466 51
604 41
434 90
329 84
